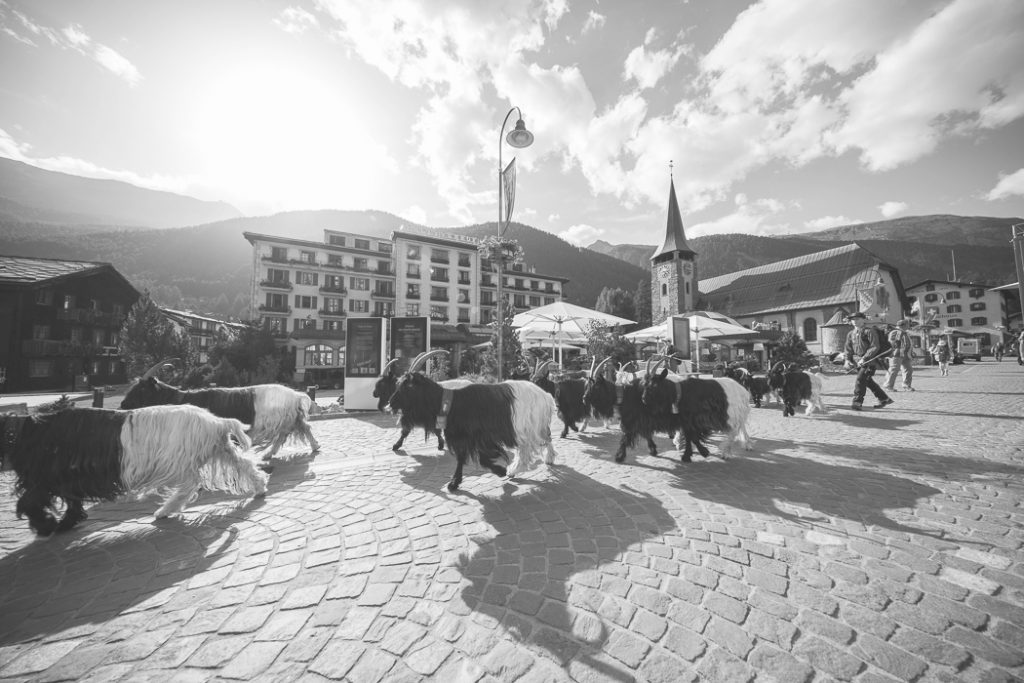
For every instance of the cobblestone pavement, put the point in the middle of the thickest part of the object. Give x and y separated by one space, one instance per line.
874 546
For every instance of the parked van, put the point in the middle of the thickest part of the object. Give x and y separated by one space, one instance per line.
969 348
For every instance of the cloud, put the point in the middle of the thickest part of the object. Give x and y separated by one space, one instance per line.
414 214
756 217
646 66
581 235
594 21
295 20
72 38
826 222
1008 186
890 209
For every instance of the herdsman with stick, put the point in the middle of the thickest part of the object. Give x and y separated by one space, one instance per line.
864 352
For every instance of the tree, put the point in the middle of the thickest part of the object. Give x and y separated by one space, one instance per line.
642 304
250 357
602 342
616 301
791 348
147 337
511 350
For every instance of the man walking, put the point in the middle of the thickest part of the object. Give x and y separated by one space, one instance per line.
902 357
862 347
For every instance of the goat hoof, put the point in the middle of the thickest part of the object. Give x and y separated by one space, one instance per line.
620 457
499 470
397 447
452 486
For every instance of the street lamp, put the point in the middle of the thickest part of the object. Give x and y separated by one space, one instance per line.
1018 259
519 138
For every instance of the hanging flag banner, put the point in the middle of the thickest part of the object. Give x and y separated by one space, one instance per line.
508 188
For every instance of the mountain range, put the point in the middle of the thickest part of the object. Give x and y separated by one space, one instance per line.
191 254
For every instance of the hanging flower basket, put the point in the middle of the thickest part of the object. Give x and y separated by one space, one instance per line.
492 248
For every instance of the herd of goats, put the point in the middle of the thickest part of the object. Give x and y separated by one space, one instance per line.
177 442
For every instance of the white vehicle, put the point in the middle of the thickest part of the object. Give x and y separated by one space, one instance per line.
969 348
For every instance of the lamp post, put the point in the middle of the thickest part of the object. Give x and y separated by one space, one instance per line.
518 137
1018 259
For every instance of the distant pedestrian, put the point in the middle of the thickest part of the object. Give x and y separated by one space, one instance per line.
940 352
1020 348
862 348
902 357
998 349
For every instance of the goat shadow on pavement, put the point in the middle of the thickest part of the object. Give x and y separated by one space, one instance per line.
553 574
105 574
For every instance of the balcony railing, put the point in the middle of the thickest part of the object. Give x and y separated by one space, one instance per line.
439 297
327 289
275 259
331 314
438 278
383 294
384 270
266 308
90 316
59 347
317 334
273 284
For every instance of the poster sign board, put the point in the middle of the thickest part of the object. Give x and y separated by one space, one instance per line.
680 334
409 338
364 360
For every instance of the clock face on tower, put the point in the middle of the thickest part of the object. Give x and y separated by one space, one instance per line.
688 268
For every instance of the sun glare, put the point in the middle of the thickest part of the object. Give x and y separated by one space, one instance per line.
281 138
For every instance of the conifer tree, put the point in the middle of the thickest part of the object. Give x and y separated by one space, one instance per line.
147 337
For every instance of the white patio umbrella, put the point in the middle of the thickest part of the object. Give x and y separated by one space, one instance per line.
716 329
565 319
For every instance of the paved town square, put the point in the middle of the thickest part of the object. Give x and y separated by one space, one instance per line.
874 546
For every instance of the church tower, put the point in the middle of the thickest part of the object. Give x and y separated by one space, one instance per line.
673 272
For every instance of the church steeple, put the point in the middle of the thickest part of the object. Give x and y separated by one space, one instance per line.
673 271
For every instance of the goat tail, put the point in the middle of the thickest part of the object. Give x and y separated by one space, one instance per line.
817 389
227 469
533 409
739 412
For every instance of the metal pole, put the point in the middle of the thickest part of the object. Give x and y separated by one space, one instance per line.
499 256
1018 259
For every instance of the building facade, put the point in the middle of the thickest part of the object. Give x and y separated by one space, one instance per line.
203 330
303 291
60 323
673 268
974 309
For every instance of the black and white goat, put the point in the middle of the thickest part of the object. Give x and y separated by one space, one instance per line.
702 406
600 395
481 422
88 454
568 395
757 385
274 411
795 385
385 388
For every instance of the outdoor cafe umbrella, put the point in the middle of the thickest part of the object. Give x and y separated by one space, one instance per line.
564 318
714 329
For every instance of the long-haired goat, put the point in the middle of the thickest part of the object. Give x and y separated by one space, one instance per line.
795 385
703 406
274 411
600 395
481 422
636 419
757 386
87 454
568 395
385 388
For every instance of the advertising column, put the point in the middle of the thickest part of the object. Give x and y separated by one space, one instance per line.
409 338
364 360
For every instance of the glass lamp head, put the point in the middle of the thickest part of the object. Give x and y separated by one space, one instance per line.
519 137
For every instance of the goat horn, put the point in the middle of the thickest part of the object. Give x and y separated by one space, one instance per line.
593 373
153 370
541 367
778 365
423 358
592 364
388 366
647 368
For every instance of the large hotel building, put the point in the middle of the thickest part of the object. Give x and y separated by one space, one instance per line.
303 291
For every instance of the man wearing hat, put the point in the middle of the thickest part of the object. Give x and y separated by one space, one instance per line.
862 347
902 357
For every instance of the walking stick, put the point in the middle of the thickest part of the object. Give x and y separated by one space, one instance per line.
873 358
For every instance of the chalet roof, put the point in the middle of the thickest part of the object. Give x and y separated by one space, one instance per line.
825 278
675 236
25 270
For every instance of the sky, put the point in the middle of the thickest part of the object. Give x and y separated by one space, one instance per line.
770 117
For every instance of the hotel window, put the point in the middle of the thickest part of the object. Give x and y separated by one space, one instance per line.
359 284
519 283
810 330
384 248
464 277
279 253
519 301
383 309
439 294
463 296
955 322
953 308
463 315
274 325
40 368
307 256
336 282
318 354
358 306
337 240
487 298
40 331
277 275
303 277
44 297
549 300
333 304
362 244
277 301
69 302
931 298
361 264
439 313
412 310
953 295
978 306
412 291
335 260
464 261
549 286
439 255
304 324
305 301
412 270
412 252
976 293
534 301
979 321
334 325
438 274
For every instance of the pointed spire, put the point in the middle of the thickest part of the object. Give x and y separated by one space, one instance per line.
675 237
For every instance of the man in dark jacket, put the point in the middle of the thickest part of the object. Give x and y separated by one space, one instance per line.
863 344
902 359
